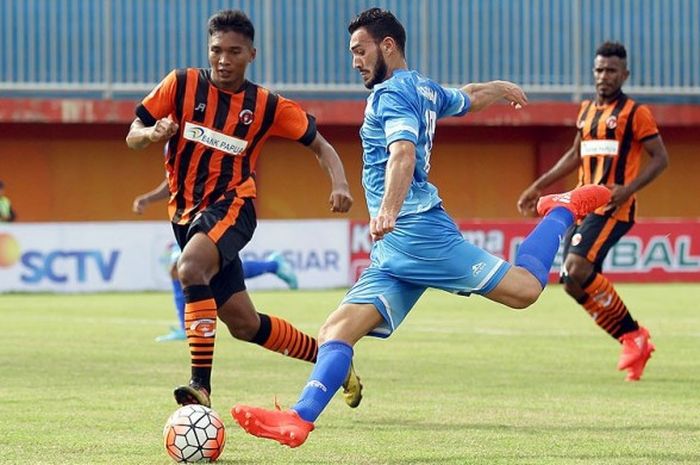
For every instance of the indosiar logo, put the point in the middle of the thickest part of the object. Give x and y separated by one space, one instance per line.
57 265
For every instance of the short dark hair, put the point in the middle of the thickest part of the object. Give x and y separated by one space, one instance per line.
380 24
232 21
612 49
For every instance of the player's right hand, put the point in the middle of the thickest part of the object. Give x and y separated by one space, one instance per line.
381 225
527 203
340 200
164 129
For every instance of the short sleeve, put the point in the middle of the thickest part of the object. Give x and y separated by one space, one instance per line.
292 122
455 102
399 118
644 125
160 102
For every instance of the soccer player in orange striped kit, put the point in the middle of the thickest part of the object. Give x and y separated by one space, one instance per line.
216 122
613 132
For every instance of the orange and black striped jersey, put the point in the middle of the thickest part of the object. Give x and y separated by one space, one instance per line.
611 145
220 136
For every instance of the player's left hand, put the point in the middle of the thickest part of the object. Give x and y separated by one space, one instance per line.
139 204
340 200
513 94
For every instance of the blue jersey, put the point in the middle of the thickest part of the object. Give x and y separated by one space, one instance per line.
405 107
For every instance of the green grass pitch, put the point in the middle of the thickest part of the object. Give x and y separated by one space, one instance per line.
463 381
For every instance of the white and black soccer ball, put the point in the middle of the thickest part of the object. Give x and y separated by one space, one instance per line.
194 433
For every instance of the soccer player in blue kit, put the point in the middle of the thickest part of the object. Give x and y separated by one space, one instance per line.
416 244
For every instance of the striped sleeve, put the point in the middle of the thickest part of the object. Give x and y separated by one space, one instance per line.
644 125
160 102
292 122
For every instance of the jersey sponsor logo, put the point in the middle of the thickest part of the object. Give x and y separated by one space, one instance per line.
607 147
214 139
611 122
246 117
201 107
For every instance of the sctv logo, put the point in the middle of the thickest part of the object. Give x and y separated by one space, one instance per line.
58 265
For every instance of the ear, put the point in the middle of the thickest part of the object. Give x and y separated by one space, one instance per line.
253 53
387 45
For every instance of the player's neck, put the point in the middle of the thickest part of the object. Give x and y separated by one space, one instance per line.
606 100
398 65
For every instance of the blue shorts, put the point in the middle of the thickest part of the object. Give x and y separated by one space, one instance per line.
424 250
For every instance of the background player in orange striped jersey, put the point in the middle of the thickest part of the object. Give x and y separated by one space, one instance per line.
612 131
215 122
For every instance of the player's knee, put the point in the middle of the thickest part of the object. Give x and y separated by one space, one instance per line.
526 297
577 272
191 273
333 327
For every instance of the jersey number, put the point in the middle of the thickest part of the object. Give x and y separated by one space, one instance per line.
430 122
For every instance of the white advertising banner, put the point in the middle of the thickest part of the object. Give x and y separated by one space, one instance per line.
133 256
84 257
317 249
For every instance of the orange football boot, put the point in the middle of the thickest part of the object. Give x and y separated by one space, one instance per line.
283 426
636 351
635 371
580 201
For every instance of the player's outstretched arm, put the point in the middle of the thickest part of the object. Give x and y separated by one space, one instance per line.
140 136
484 94
340 199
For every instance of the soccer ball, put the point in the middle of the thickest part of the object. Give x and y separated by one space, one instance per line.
194 433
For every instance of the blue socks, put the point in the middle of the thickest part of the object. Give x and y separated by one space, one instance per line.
536 253
252 269
330 371
179 298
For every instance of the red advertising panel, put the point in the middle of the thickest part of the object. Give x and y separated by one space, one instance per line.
653 251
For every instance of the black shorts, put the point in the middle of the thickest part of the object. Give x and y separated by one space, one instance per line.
593 238
230 224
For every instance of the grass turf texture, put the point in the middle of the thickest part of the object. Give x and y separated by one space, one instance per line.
464 381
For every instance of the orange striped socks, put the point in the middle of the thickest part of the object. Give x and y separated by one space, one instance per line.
200 327
280 336
606 308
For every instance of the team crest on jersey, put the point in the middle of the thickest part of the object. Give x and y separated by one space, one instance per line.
611 122
246 117
576 239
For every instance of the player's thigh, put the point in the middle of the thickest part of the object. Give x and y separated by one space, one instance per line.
392 298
